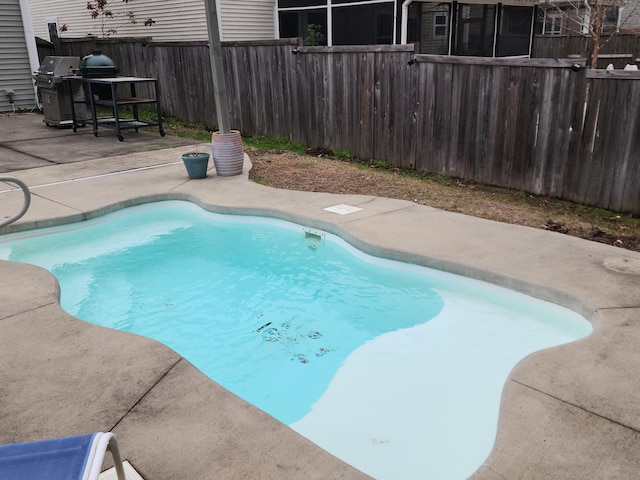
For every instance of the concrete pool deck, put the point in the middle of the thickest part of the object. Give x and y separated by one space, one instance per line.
567 412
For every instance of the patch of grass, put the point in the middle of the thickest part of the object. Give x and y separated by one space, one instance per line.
177 128
273 143
379 164
195 131
344 155
267 182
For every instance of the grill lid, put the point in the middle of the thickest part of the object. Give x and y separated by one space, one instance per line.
97 64
59 66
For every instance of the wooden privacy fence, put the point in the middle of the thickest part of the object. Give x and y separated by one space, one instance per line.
537 125
619 48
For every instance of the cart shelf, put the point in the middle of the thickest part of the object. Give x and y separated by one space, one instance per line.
115 102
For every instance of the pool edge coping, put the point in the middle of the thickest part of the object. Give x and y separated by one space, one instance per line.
346 228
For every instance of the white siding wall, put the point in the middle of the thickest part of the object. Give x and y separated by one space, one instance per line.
247 19
175 20
15 69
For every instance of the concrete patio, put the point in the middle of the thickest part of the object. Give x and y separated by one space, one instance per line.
568 412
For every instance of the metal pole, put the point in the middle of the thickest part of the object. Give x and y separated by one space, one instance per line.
217 69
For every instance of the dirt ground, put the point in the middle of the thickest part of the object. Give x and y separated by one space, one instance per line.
319 172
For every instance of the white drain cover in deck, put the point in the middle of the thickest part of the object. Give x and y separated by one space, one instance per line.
342 209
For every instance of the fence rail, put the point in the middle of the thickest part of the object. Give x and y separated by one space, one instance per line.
538 125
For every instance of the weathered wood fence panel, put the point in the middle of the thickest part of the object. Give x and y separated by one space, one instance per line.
609 149
537 125
619 49
501 123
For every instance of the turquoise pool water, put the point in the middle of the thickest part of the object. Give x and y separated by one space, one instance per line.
394 368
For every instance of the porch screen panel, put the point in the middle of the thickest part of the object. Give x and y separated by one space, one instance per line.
297 24
474 30
363 25
434 32
514 33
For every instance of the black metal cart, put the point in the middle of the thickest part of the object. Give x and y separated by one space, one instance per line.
117 100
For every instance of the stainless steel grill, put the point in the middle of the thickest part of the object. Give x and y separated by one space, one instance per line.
55 81
53 69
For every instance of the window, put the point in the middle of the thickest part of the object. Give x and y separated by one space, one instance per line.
552 24
440 25
611 20
52 26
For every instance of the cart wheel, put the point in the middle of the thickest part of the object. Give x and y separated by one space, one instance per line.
120 137
162 133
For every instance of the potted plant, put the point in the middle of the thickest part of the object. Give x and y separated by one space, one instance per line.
196 164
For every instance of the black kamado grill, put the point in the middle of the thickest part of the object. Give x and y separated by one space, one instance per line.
98 65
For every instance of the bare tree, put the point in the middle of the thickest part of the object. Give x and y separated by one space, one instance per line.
100 11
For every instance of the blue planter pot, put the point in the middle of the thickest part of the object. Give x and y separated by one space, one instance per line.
196 164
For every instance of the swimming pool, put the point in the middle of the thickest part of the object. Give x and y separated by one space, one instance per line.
394 392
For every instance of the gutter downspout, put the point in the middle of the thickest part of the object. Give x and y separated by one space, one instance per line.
496 25
405 20
219 17
276 21
30 40
533 25
453 21
395 23
329 24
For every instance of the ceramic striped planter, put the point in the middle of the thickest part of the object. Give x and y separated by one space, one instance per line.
228 154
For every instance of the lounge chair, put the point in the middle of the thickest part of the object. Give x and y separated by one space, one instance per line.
67 458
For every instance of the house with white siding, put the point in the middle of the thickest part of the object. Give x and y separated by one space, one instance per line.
476 27
18 56
175 20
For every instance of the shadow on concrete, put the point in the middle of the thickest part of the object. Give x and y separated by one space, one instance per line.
26 142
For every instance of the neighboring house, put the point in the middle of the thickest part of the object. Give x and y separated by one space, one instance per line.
478 27
630 16
565 17
175 21
487 28
446 27
18 56
482 28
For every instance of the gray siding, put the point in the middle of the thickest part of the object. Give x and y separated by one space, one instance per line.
15 70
